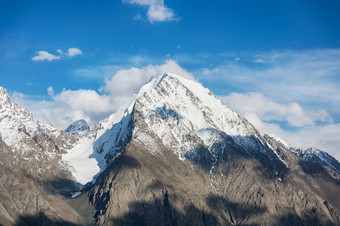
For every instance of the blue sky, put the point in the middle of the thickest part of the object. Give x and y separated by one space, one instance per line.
276 62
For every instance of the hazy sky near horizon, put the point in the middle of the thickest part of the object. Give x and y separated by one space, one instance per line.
276 62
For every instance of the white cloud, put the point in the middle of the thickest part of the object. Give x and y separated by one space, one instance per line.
207 71
50 91
310 78
46 56
74 52
157 11
69 106
43 55
267 110
264 113
87 101
259 60
58 113
137 17
295 88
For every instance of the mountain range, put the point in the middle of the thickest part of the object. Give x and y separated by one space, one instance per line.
173 155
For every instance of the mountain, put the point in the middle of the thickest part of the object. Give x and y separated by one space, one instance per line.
33 177
175 155
78 128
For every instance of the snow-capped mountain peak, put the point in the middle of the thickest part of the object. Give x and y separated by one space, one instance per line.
78 128
23 134
179 113
176 103
10 111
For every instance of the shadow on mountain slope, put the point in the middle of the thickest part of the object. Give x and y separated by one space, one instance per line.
317 169
61 186
226 150
295 220
166 113
113 140
118 163
237 212
161 212
42 220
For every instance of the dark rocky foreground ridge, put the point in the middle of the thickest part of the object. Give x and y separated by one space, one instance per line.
233 180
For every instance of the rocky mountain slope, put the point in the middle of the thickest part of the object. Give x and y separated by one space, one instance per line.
175 155
33 178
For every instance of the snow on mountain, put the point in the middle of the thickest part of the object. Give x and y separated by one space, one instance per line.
316 155
282 149
17 124
12 119
175 106
91 154
78 128
30 140
172 111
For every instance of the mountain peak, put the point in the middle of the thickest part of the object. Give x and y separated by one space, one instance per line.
182 115
4 97
12 111
78 128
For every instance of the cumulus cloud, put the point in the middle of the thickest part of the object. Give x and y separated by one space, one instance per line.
267 109
157 11
88 101
46 56
74 52
266 114
323 137
58 113
70 105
